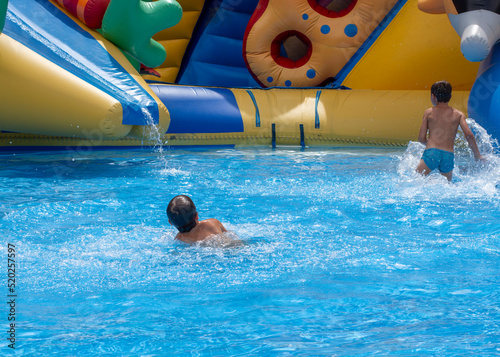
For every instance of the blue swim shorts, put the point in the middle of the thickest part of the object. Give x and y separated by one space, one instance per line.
439 159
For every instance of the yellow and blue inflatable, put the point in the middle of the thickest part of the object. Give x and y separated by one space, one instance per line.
114 73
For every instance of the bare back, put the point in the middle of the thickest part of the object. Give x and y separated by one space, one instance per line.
201 231
442 122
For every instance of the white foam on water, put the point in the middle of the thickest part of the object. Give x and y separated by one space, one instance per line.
470 177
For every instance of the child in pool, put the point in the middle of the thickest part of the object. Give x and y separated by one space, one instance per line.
182 214
442 122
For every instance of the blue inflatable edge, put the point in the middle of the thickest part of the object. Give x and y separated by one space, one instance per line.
484 99
200 110
43 28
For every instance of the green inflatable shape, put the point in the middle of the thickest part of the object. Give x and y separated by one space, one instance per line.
3 13
131 24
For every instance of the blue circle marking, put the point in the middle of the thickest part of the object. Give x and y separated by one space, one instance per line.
311 73
288 83
305 16
325 29
351 30
270 79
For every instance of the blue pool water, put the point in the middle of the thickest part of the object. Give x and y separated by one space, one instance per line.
333 252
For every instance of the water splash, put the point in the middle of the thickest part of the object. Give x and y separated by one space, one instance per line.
479 174
225 240
468 173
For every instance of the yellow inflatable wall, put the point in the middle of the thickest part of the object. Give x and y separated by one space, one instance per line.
323 117
413 52
390 80
176 39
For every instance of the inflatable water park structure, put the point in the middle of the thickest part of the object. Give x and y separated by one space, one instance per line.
191 73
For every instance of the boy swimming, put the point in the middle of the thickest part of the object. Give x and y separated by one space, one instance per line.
182 214
442 122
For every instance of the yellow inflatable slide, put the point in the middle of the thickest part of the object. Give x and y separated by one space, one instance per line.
222 73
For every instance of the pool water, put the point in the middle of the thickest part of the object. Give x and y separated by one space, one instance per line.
332 252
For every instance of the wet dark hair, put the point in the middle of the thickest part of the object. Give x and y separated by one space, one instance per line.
442 91
181 212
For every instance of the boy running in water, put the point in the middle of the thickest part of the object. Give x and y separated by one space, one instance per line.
442 122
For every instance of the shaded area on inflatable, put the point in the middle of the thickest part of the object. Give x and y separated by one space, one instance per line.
214 57
65 79
484 100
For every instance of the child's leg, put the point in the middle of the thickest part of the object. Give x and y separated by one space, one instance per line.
422 168
448 175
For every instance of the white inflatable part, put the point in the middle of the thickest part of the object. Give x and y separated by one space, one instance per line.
479 30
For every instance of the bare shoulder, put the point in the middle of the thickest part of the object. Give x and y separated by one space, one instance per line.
457 113
214 223
211 221
427 115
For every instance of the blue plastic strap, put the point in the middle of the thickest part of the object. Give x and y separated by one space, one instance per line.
273 128
302 140
316 114
257 113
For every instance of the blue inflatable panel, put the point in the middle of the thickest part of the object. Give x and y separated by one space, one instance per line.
200 110
43 28
484 98
215 54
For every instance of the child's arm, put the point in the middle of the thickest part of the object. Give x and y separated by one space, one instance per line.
422 135
470 138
